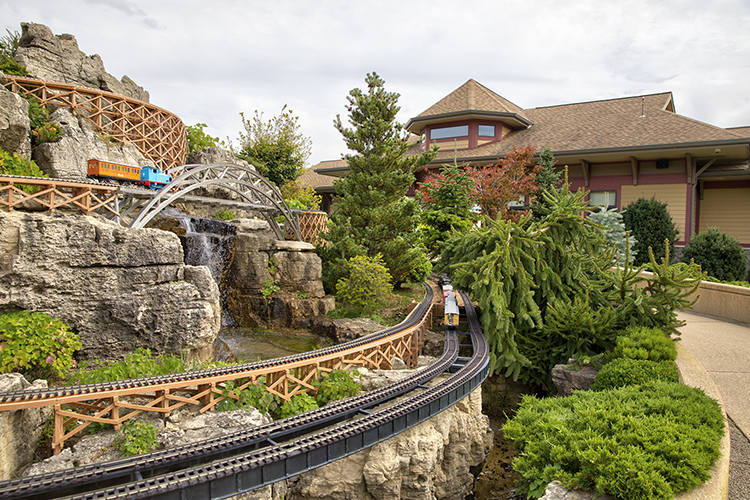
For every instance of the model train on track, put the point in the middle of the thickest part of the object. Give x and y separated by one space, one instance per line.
150 177
452 311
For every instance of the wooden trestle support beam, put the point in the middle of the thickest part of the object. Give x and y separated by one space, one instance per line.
285 381
56 193
158 134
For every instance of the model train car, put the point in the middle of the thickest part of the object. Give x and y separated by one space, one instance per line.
149 177
450 303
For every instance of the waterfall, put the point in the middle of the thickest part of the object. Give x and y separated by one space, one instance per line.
209 242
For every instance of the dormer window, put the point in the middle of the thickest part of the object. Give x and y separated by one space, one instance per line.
449 132
486 131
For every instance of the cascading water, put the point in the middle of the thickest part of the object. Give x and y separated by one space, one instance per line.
208 242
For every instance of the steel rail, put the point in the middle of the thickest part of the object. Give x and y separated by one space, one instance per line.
239 473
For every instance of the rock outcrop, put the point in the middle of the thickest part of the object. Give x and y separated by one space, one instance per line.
118 288
14 122
67 158
260 260
569 378
57 58
20 430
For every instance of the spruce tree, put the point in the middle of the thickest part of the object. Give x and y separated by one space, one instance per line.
372 215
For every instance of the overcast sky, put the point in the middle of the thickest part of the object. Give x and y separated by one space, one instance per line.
206 61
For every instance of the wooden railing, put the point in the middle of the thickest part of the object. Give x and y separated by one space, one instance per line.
311 223
158 134
56 193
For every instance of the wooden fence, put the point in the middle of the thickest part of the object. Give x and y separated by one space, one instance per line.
158 134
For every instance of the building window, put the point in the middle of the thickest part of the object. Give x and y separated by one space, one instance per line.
486 131
607 199
449 132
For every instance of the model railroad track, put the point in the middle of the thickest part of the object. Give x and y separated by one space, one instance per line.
250 459
49 396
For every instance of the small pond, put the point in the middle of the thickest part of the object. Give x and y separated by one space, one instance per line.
249 345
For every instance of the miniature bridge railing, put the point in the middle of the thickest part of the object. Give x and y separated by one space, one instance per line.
114 403
158 134
56 193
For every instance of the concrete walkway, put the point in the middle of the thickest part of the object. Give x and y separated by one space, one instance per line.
723 348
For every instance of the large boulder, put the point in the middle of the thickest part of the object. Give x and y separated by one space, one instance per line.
56 58
14 122
20 430
118 288
67 158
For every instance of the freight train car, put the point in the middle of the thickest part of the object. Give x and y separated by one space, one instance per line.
149 177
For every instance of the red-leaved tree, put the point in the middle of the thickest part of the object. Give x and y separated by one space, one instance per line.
505 181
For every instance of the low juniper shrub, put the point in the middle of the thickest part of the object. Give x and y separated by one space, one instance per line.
645 343
625 371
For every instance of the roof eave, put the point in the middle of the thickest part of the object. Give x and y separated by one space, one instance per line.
513 120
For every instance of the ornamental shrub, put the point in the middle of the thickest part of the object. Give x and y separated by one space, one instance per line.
15 164
255 395
650 344
640 442
136 437
296 405
336 384
651 225
33 342
138 364
615 234
366 284
719 254
626 371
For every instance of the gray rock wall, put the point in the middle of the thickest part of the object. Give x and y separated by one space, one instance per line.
14 122
118 288
57 58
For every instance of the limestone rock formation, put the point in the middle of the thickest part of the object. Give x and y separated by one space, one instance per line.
19 430
14 122
67 158
57 58
556 491
118 288
215 155
259 261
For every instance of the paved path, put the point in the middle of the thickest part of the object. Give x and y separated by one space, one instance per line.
723 348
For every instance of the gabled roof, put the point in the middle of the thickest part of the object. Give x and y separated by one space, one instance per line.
470 100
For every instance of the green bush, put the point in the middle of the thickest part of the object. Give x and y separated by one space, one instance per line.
296 405
645 343
719 254
225 215
638 442
626 371
197 139
138 364
136 437
255 395
651 225
366 284
336 384
8 45
33 342
15 164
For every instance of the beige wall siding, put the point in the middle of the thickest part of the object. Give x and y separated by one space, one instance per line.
674 195
727 209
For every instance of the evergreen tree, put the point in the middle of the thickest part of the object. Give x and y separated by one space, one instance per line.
447 205
651 224
548 179
372 215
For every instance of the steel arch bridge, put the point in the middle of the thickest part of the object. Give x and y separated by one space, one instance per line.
254 193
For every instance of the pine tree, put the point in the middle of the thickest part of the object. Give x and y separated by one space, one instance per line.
372 215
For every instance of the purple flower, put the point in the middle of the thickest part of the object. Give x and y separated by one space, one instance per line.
50 359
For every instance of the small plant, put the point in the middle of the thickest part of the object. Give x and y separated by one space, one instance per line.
645 343
626 371
296 405
367 282
136 437
254 395
141 363
271 265
719 254
49 132
225 215
269 288
300 295
336 384
15 164
33 341
8 45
